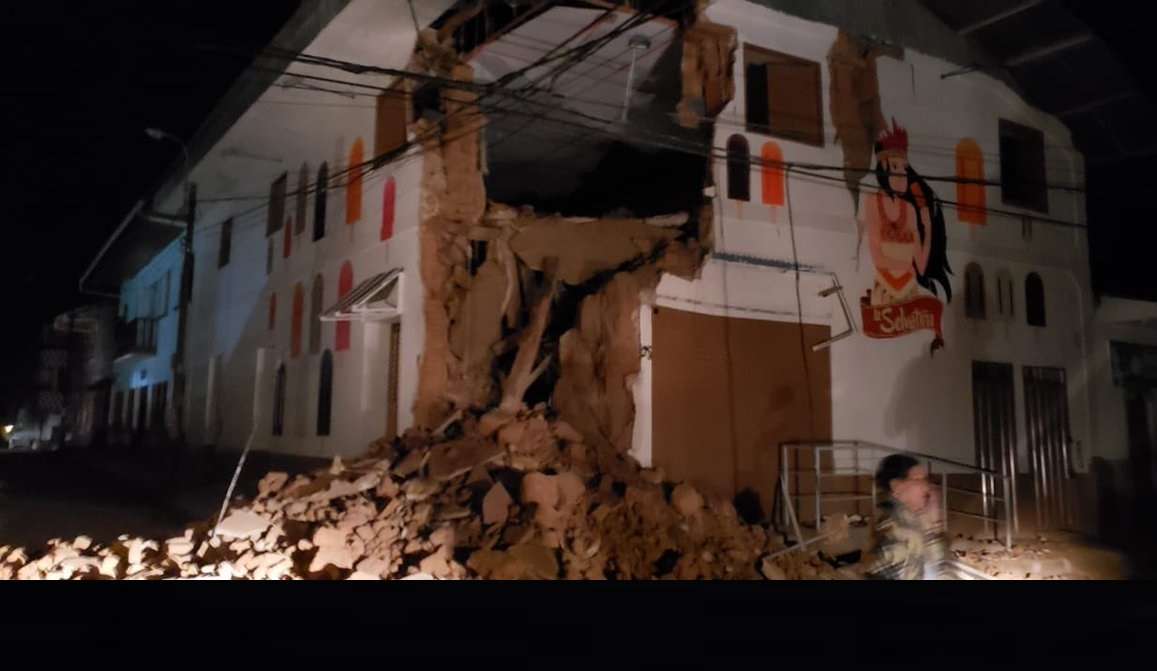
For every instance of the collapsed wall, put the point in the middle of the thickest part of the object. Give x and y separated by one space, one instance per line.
526 306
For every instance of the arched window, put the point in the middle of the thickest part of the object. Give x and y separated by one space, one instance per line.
1034 300
353 192
279 402
738 168
319 201
272 311
302 199
298 315
970 194
974 306
325 394
345 283
772 173
316 299
1004 301
287 245
389 195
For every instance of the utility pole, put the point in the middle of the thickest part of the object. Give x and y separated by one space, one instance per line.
180 377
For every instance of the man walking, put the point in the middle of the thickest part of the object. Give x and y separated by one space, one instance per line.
908 539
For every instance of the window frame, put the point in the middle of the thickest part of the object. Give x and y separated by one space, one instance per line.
975 299
754 55
1034 309
1022 135
276 213
225 243
738 169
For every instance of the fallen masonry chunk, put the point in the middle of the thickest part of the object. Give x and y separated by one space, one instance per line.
80 564
496 505
138 548
340 557
479 474
459 457
419 490
387 489
242 524
178 547
686 500
771 570
373 566
410 464
272 483
329 537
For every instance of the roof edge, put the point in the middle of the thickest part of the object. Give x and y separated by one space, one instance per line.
311 17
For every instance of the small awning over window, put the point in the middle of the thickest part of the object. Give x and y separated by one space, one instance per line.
379 297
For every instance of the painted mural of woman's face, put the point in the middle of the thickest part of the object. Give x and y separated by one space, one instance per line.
897 167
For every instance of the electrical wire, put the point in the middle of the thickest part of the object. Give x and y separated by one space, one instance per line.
586 52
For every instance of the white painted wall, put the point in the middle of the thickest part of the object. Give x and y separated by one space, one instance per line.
892 391
282 130
135 303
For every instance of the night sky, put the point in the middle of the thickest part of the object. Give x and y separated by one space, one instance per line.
83 82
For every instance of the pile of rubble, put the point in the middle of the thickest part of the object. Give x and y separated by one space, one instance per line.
530 502
1025 561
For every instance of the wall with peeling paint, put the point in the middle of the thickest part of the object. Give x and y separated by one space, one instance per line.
893 391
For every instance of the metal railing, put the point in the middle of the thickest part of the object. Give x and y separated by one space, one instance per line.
858 449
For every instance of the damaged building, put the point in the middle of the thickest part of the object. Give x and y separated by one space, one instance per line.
710 235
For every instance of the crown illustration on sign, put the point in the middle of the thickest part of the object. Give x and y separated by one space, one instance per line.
893 141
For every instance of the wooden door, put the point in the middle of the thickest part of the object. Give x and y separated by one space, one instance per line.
727 391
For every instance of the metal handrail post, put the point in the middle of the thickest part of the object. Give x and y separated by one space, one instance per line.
1008 516
783 482
944 500
816 459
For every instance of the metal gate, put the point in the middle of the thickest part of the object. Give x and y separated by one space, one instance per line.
994 429
1046 409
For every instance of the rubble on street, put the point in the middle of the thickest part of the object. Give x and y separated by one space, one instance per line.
529 501
1026 560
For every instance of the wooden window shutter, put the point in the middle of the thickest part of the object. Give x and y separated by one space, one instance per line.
303 186
738 168
325 394
296 323
795 100
755 92
1034 300
320 201
276 209
315 308
392 382
974 304
772 171
345 283
970 194
353 192
226 248
390 123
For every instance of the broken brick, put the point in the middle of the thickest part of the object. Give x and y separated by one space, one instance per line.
496 505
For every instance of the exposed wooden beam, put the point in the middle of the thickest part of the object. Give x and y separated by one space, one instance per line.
997 18
1042 53
1097 104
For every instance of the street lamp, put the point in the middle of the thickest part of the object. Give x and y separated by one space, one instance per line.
161 135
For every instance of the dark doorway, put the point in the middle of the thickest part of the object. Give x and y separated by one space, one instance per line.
994 428
1049 442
